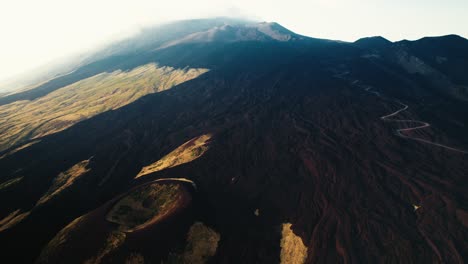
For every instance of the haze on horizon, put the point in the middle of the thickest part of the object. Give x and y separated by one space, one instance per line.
38 32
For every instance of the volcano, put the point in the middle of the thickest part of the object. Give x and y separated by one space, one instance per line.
231 141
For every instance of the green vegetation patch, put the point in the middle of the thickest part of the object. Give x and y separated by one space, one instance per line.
147 203
10 183
202 243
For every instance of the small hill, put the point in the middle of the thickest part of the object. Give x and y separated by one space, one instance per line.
373 43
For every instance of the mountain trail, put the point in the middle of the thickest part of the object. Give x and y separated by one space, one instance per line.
404 107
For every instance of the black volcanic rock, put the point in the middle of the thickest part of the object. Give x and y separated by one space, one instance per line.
297 136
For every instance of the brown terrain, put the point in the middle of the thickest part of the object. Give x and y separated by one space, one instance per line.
287 149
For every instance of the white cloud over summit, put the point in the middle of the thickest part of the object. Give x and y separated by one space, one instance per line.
36 32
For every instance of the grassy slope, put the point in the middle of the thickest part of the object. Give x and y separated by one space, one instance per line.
25 120
293 249
187 152
65 180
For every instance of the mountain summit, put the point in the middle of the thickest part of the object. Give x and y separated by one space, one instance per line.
236 33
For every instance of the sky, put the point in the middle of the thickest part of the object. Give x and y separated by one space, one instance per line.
33 32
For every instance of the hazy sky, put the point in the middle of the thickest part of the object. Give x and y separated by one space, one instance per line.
34 32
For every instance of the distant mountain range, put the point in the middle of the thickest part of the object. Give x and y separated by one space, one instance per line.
231 141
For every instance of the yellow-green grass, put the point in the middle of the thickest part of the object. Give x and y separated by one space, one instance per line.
10 182
19 148
57 243
114 239
202 243
13 219
65 180
113 242
187 152
293 250
144 205
25 120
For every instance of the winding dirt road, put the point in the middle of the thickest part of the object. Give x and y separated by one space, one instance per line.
398 132
388 118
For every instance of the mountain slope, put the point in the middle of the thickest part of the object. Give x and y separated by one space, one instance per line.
298 159
28 120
